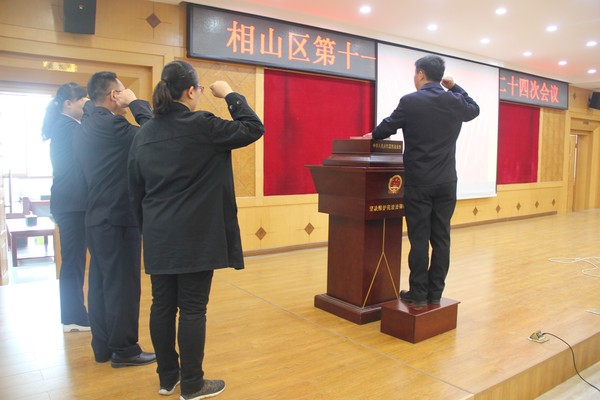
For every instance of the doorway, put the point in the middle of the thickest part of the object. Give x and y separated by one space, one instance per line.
26 178
584 169
27 172
29 74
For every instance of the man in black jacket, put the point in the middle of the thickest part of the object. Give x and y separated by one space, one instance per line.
113 236
431 119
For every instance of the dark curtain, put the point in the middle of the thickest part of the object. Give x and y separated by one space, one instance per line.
303 115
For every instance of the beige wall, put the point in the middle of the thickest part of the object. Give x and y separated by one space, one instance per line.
125 42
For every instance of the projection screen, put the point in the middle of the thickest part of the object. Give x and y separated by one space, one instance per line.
477 146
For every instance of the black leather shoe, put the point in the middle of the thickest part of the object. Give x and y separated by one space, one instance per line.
408 297
133 361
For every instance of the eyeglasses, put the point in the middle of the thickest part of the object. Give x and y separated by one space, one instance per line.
201 88
114 90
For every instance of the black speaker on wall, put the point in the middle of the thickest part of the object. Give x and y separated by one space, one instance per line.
80 16
595 100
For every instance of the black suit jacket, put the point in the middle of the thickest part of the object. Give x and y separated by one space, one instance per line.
430 119
102 150
68 192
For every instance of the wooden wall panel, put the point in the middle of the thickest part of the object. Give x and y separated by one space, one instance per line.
552 145
4 274
132 20
579 100
242 79
511 202
282 226
141 21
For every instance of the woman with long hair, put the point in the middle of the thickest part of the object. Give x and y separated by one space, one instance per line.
181 187
68 201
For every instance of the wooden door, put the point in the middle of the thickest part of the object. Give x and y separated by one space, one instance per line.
571 174
582 171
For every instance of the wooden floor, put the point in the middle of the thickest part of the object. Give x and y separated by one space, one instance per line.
267 341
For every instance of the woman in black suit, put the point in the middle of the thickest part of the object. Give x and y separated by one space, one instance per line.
181 187
68 201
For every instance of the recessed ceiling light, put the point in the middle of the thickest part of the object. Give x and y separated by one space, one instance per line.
432 27
365 9
591 43
551 28
562 62
485 40
527 53
591 71
501 11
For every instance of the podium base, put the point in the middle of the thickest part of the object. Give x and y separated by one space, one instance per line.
414 324
348 311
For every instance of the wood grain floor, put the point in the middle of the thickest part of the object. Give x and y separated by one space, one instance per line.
267 341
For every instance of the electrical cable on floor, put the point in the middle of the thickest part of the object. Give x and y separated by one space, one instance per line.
589 260
573 354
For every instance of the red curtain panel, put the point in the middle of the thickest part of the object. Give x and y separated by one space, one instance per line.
518 133
303 115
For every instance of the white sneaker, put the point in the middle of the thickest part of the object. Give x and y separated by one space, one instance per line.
168 390
68 328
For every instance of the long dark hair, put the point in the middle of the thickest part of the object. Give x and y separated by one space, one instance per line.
177 77
69 91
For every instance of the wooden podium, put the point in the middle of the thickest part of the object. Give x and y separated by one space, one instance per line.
360 186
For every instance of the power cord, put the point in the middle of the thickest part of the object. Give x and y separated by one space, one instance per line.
573 354
589 260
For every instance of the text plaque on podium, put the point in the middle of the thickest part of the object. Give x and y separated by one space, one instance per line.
360 186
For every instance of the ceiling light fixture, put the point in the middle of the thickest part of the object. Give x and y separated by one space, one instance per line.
501 11
591 43
591 71
527 53
485 41
365 9
551 28
432 27
562 62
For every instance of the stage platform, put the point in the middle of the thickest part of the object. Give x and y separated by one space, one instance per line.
267 340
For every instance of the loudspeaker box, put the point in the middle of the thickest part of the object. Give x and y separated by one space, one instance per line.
80 16
595 100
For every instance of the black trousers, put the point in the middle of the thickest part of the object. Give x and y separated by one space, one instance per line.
189 293
72 271
428 210
114 290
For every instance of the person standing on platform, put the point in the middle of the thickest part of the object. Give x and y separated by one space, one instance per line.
68 197
181 188
431 119
113 236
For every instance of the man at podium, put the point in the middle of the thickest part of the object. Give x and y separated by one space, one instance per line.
431 119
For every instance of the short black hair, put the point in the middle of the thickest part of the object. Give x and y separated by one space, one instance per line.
100 85
432 66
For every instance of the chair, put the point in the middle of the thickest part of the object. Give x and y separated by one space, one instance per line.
41 208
